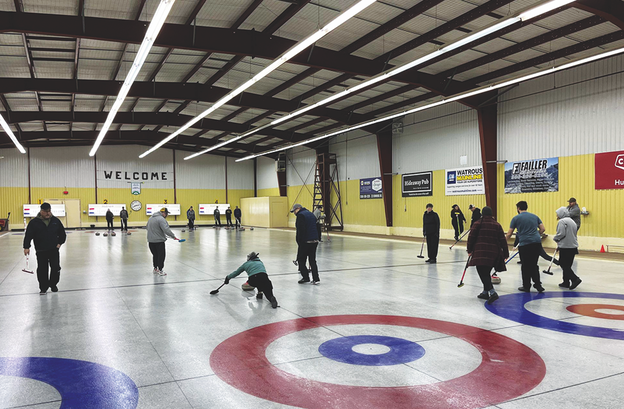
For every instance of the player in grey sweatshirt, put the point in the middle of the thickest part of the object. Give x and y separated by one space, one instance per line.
157 232
568 247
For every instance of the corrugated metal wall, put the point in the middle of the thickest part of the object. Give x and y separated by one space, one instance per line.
357 156
569 113
203 172
66 167
267 177
13 168
435 139
240 174
300 165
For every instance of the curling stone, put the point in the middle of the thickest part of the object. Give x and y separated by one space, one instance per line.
129 233
113 234
183 230
251 228
105 234
97 234
496 279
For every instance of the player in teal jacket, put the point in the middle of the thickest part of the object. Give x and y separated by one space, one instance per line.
257 277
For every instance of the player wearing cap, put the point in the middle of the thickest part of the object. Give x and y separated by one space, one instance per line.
157 232
476 214
307 240
258 278
49 234
575 212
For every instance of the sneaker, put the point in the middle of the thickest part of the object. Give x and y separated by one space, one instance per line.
317 281
156 270
54 289
564 285
42 292
428 260
539 288
556 262
162 273
575 283
483 296
259 296
304 280
492 298
524 290
274 303
519 262
432 261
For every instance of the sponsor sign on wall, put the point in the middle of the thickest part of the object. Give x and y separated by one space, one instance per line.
101 209
417 184
208 209
464 181
31 210
174 209
609 170
538 175
371 188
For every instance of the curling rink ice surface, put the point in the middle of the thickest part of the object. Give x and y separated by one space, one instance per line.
382 330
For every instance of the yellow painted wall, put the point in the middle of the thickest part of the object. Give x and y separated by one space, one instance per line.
268 192
11 200
124 196
86 196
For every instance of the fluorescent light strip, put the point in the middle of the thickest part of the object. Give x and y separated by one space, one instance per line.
536 11
544 8
9 132
148 41
289 54
455 98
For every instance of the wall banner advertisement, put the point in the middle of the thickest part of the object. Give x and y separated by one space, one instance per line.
609 170
465 181
538 175
371 188
417 184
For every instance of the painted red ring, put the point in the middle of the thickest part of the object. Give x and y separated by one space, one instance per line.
508 369
589 310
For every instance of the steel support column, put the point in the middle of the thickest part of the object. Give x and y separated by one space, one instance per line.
384 149
488 137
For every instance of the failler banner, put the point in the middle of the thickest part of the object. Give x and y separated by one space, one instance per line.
609 168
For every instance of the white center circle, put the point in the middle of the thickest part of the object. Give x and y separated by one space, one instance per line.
610 311
371 349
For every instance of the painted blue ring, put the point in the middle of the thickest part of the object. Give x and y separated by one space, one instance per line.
511 306
81 384
401 350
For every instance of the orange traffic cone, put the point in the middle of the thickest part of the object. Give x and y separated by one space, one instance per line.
602 250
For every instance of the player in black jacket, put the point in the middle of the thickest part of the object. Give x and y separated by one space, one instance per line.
49 234
431 230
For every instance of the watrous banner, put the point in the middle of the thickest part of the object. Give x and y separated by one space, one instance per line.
465 181
537 175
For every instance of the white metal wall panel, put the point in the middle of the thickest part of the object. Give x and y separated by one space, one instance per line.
571 113
436 139
240 175
267 177
126 159
62 167
357 156
13 168
202 172
300 167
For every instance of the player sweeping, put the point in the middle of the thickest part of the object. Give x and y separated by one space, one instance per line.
258 277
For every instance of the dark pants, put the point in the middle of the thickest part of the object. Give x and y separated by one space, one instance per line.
238 222
459 228
486 279
530 271
217 220
158 254
566 258
228 219
318 230
432 246
307 251
109 225
124 224
262 283
45 258
191 223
